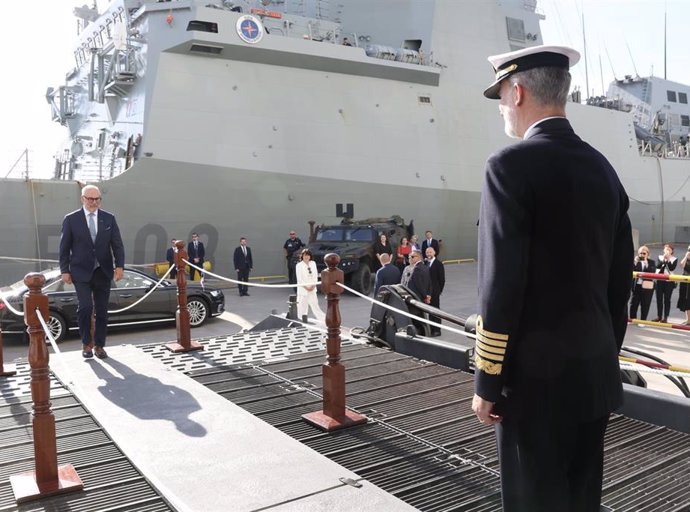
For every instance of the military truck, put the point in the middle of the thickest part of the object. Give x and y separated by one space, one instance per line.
353 241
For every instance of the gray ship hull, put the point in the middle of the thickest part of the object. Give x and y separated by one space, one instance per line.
157 200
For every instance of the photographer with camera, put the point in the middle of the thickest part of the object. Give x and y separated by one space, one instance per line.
666 264
642 289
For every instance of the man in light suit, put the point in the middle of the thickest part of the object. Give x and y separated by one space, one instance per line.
437 273
546 355
243 265
387 274
195 254
89 242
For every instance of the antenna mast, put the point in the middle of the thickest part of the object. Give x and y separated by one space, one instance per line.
664 40
584 42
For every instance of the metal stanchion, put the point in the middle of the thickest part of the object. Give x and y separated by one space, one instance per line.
184 341
334 414
48 479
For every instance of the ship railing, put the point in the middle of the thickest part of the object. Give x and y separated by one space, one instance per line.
676 150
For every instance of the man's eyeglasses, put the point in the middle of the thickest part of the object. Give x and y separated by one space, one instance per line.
92 199
293 234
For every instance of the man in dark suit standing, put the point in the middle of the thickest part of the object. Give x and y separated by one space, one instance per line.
243 265
89 242
546 355
437 274
387 274
419 280
195 254
430 241
170 257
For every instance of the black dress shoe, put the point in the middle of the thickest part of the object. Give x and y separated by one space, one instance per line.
100 353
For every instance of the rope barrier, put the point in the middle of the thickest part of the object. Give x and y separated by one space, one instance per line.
654 365
407 314
12 309
153 289
71 383
43 260
646 369
661 277
244 283
28 260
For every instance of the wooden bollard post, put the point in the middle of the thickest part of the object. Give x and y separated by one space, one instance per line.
184 341
334 414
48 479
4 372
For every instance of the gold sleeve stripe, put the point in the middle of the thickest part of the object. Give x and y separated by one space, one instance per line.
488 355
493 343
489 348
489 334
486 366
494 335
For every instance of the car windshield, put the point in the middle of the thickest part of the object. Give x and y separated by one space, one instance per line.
133 280
345 234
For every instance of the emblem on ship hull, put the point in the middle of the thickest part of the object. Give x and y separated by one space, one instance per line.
249 29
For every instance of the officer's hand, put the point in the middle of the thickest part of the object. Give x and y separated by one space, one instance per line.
67 278
483 409
119 272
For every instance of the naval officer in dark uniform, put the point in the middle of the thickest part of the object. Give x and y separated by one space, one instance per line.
549 329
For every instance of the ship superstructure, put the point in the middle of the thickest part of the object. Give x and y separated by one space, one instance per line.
251 118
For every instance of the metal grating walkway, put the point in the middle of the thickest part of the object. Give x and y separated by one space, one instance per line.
423 443
110 481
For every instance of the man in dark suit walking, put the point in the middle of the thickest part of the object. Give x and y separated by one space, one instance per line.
546 355
437 274
195 254
387 274
243 265
170 257
89 242
430 241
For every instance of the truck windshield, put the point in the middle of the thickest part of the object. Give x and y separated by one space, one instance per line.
345 234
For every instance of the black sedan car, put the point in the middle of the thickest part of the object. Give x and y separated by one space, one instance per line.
202 302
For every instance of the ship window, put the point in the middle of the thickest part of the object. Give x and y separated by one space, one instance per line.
516 29
425 100
671 96
682 98
204 48
684 120
202 26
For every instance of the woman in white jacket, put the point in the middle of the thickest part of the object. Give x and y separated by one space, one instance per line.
306 295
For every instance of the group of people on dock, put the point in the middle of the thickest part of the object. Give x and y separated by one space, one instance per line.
643 288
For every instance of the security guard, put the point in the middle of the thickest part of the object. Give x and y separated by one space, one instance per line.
549 328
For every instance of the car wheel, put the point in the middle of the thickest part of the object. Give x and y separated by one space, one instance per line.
57 326
198 311
361 280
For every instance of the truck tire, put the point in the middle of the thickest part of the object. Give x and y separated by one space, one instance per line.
361 280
